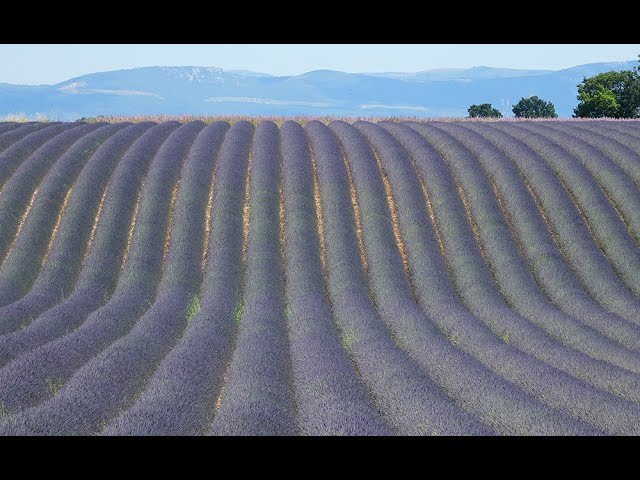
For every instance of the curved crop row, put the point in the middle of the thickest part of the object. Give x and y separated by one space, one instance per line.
20 190
464 378
385 368
616 150
7 126
566 226
134 294
60 261
623 127
474 284
626 139
605 227
173 402
17 132
520 292
135 356
544 259
102 256
612 180
112 379
330 398
22 148
137 289
258 395
38 227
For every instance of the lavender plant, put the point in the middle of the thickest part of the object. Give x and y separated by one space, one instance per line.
21 266
137 284
101 258
180 397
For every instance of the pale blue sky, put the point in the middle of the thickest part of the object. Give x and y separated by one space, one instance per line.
33 64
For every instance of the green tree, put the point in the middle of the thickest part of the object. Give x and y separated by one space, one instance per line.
484 110
597 103
611 94
534 107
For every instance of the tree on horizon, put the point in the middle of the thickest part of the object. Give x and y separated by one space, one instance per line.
484 110
534 107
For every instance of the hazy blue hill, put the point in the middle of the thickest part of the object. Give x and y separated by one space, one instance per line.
587 70
461 74
211 90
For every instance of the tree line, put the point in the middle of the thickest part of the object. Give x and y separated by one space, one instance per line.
614 94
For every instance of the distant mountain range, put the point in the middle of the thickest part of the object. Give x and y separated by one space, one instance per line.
210 90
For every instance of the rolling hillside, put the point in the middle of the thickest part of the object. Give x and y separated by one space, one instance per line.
435 278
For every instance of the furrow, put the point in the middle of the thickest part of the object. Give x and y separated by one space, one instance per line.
568 229
438 341
57 360
521 293
35 142
89 283
26 255
14 135
606 230
173 403
21 185
611 180
495 335
388 372
123 347
330 397
537 245
258 397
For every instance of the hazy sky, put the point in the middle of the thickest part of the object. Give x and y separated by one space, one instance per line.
34 64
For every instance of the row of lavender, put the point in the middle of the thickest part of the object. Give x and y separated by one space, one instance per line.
416 278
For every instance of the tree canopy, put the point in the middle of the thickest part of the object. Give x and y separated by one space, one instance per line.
611 94
534 107
484 110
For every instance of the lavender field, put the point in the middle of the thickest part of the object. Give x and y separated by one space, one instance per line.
320 278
